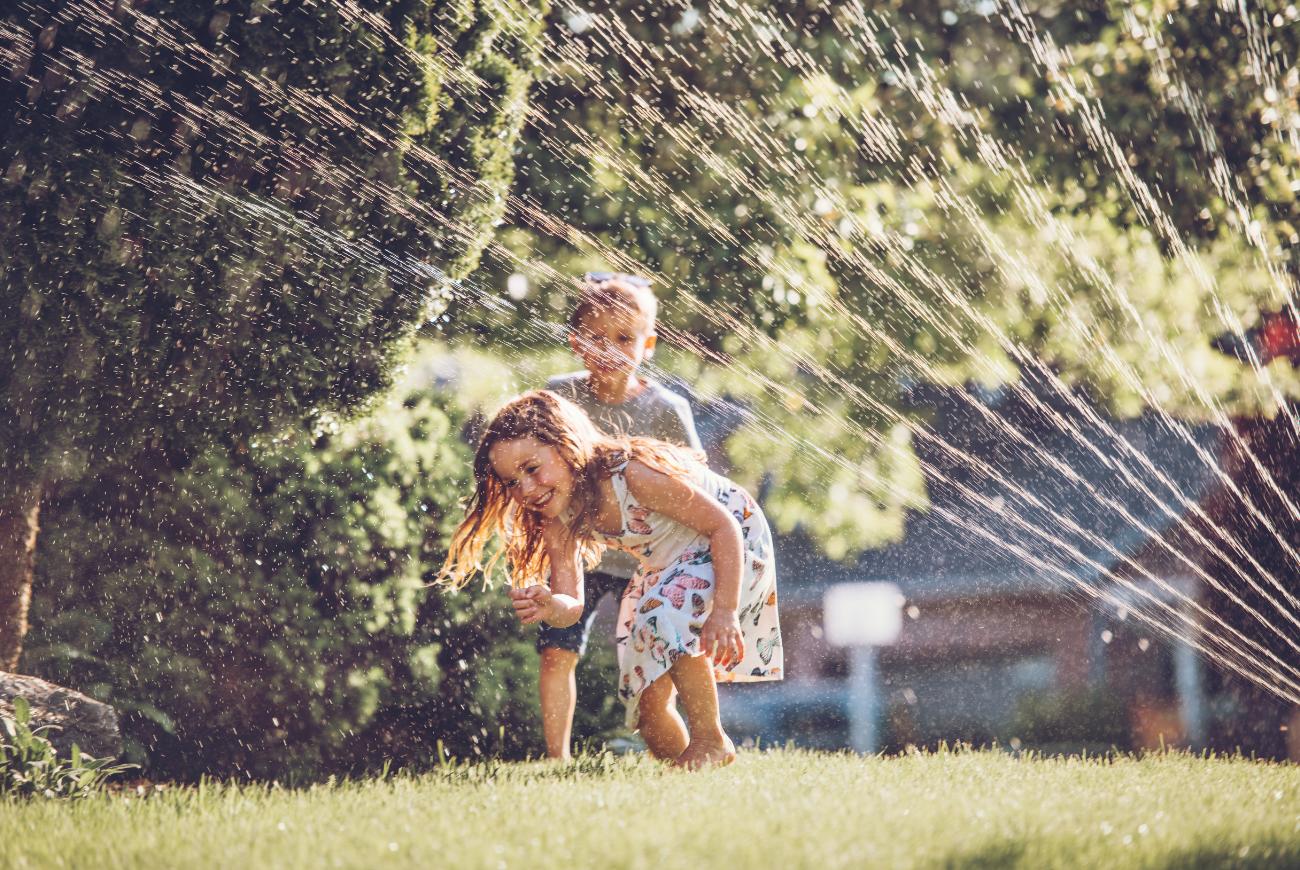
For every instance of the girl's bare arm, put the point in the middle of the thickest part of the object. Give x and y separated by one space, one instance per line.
560 603
691 506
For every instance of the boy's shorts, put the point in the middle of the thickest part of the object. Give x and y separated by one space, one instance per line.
596 585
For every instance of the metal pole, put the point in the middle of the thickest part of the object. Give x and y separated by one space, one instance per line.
864 701
1191 696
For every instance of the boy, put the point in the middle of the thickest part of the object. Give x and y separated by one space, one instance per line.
612 330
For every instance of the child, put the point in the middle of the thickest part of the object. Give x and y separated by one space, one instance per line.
612 330
558 492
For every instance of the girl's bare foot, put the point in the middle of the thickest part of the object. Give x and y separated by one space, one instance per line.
707 752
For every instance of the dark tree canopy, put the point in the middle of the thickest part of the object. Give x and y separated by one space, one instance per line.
218 218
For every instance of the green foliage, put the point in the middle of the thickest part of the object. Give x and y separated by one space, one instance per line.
1187 85
227 217
265 612
30 765
897 192
1070 721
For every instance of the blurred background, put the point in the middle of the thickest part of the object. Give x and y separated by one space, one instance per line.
991 302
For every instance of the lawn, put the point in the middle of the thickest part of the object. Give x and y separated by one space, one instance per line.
771 809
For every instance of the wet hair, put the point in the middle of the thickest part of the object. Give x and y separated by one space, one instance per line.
590 455
614 294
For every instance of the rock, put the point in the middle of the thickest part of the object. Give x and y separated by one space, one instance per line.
90 724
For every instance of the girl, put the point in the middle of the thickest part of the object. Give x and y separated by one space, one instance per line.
558 492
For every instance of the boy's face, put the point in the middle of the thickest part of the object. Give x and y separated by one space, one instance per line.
534 474
613 341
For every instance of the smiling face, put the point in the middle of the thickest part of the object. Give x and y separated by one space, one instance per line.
533 474
613 340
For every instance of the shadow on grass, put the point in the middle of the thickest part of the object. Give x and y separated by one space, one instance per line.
1271 853
581 767
1264 855
991 856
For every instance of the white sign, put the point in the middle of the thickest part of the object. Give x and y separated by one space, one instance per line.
862 614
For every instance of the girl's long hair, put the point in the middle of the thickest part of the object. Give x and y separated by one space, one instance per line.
590 455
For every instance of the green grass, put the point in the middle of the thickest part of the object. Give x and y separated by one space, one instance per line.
777 809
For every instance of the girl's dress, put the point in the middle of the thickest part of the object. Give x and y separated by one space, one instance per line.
667 600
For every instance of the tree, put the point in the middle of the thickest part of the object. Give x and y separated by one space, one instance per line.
220 218
840 203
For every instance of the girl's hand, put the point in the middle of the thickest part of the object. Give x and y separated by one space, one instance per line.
532 603
720 638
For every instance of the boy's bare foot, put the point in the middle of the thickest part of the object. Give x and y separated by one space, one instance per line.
707 752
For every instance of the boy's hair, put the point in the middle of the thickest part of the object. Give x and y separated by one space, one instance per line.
590 455
615 293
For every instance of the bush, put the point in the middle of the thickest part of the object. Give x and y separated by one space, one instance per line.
1091 719
265 614
30 765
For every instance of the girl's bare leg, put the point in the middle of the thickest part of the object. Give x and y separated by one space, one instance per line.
709 745
660 724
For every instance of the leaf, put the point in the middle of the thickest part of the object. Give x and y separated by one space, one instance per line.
22 710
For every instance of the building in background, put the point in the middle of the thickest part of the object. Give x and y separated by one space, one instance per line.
1043 506
1256 507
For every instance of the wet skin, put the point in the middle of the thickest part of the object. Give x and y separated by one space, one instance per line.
534 475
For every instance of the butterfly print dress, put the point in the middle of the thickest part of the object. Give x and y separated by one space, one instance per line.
668 599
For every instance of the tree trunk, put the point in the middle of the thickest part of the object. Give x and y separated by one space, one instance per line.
18 527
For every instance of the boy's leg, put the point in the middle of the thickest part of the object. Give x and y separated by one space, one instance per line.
558 688
659 723
709 744
560 649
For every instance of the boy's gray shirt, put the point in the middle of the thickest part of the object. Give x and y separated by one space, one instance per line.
655 412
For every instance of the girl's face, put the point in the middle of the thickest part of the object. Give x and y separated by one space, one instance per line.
534 474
